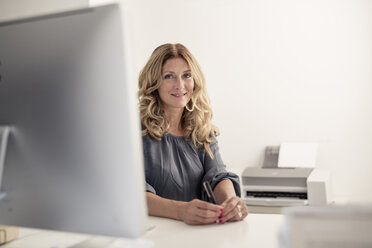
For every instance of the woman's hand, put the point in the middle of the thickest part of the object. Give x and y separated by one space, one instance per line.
234 209
197 212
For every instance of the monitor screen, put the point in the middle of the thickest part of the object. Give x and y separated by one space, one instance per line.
74 158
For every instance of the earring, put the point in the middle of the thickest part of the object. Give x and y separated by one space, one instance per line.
188 108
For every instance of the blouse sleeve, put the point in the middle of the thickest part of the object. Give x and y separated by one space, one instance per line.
150 189
215 171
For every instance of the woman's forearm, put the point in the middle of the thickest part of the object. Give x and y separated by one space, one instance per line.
158 206
224 190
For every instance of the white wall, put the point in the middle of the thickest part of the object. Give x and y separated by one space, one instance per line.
277 71
14 9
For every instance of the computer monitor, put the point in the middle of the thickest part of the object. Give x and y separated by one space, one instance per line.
74 158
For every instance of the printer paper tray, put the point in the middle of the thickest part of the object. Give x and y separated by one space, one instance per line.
276 202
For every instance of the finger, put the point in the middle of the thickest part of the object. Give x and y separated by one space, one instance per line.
200 217
204 211
205 221
201 221
207 206
200 212
230 204
235 214
230 216
243 212
207 213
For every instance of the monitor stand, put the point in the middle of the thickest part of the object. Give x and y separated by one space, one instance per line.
4 133
112 242
95 242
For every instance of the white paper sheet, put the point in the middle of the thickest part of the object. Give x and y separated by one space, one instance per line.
298 155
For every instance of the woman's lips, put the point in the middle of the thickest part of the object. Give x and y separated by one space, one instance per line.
179 94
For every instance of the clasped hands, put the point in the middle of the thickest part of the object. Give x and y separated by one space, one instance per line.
197 212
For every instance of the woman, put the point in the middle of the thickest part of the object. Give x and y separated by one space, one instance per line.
180 146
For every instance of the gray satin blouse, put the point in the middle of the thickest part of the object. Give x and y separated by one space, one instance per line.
175 168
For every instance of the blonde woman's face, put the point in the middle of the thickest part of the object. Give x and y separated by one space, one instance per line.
177 84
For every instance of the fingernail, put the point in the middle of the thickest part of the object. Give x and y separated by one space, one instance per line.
221 215
221 210
221 221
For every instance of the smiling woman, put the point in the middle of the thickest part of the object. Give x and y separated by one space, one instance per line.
180 146
196 120
176 88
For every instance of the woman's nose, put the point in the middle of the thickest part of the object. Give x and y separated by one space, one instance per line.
180 84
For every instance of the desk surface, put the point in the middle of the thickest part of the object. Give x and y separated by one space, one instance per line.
257 230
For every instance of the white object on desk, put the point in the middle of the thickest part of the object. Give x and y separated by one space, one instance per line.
327 227
297 155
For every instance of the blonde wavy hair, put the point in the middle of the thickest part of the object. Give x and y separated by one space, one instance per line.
197 115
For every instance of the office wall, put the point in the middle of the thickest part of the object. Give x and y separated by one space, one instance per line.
14 9
277 71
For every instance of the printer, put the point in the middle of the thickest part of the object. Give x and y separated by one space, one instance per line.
271 185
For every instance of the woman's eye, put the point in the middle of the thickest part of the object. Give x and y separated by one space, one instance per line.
187 75
168 76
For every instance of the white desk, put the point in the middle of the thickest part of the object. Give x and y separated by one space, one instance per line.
257 230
